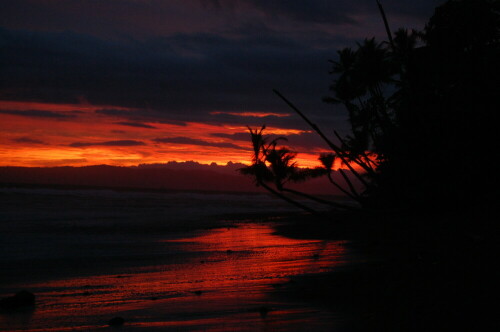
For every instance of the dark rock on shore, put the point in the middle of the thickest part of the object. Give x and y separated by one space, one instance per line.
21 300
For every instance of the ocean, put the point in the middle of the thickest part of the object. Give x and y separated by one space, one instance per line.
179 261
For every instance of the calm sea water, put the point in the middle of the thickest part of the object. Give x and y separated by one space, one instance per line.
166 261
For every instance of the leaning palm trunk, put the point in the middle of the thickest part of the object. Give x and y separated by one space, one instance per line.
349 183
333 146
319 200
354 195
287 199
386 24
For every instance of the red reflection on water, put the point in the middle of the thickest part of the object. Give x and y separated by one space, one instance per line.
253 252
218 281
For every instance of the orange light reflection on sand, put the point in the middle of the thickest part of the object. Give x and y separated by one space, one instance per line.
225 274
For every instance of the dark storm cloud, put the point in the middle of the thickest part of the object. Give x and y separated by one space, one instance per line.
191 141
307 141
108 143
159 17
303 141
135 117
253 121
310 11
421 9
104 18
114 112
332 11
235 137
38 114
176 61
135 124
182 76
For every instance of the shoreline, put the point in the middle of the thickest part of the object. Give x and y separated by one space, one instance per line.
401 272
227 272
414 272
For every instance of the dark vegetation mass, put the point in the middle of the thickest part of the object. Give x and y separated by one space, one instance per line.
421 108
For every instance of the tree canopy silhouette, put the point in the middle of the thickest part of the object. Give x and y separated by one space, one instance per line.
421 108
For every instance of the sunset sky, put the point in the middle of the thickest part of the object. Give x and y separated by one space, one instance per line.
125 82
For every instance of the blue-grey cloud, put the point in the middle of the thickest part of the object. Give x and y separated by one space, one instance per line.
28 140
175 62
124 18
38 114
329 12
187 140
108 143
135 124
134 118
301 142
224 74
114 112
235 137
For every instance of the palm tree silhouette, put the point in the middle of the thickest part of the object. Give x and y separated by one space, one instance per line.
276 165
262 174
416 104
327 160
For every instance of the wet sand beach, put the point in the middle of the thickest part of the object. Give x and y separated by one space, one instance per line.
221 276
196 262
221 280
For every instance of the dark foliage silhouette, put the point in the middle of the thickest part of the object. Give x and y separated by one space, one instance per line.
273 165
421 108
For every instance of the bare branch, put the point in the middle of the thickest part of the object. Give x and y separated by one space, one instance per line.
319 200
339 187
334 147
349 183
287 199
356 160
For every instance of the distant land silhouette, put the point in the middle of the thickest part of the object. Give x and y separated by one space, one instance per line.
171 176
